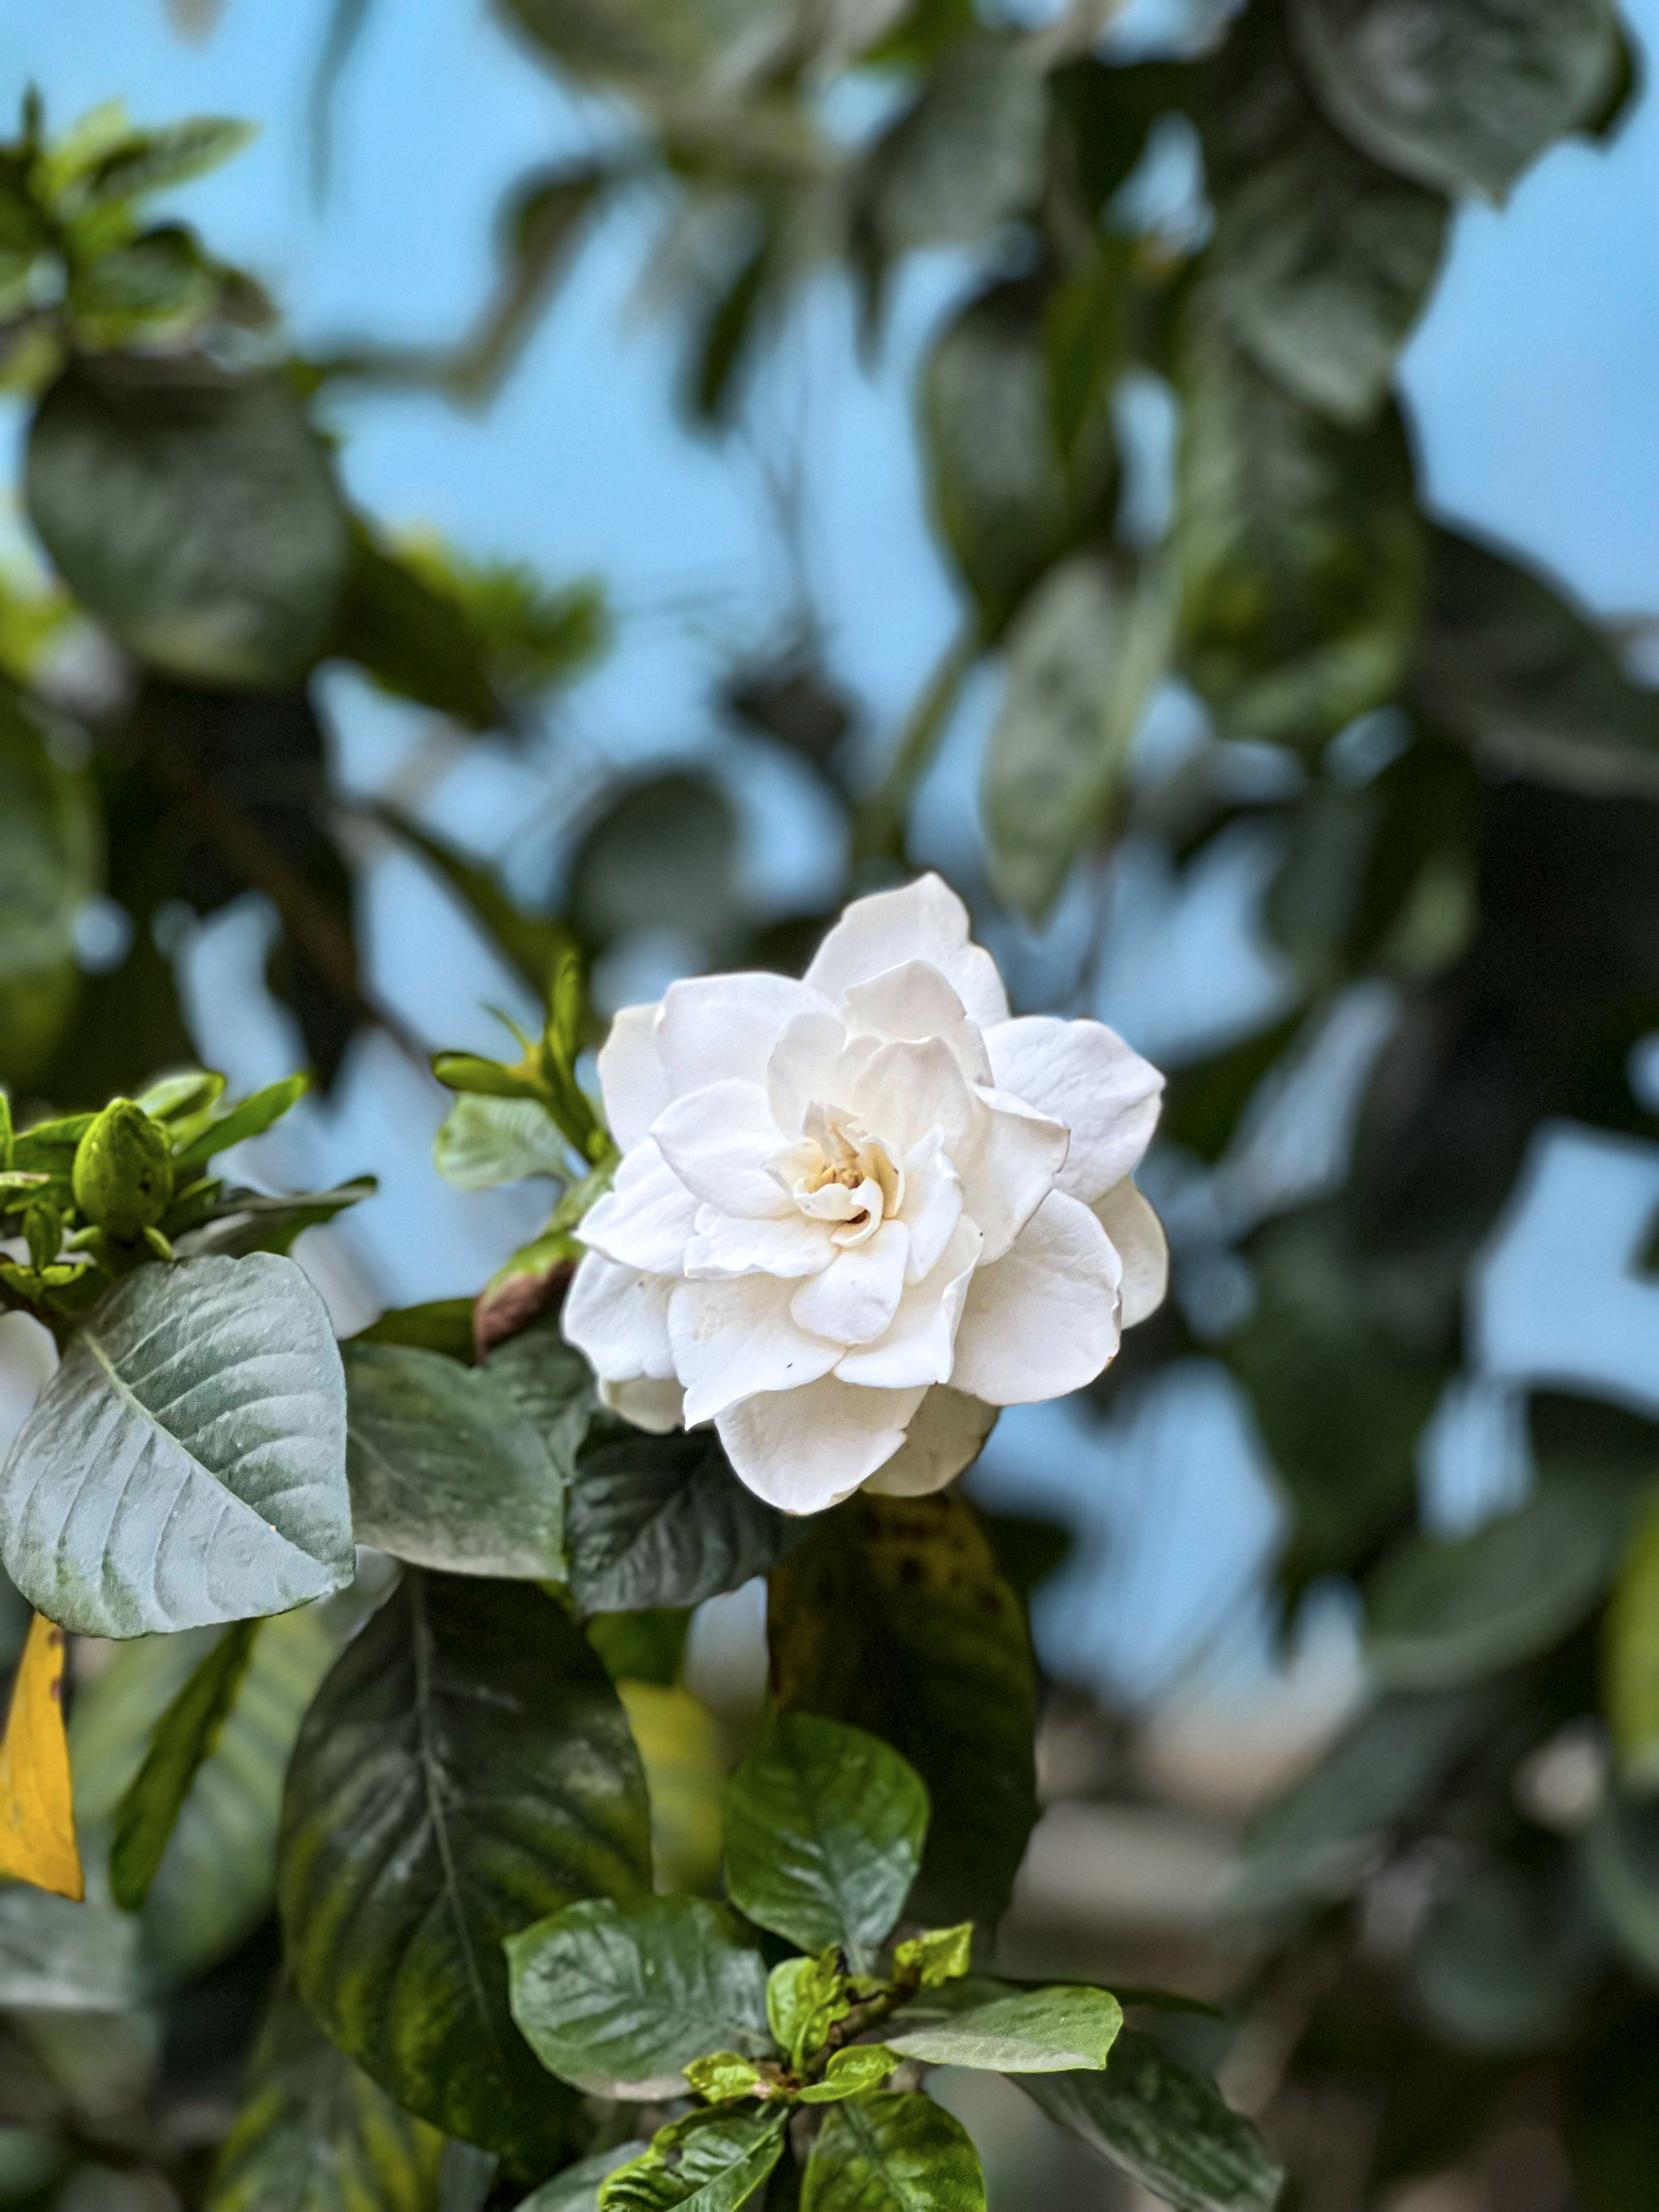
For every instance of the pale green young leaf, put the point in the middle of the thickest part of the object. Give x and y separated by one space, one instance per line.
850 2072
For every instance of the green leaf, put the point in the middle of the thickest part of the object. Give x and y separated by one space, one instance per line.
251 1117
660 856
1298 549
964 157
1085 655
824 1827
1049 2031
1465 97
662 1521
576 2189
540 222
244 1221
445 1469
850 2072
1509 667
1444 1611
1321 260
217 1875
185 1736
443 1326
1619 1855
162 277
679 1745
551 1385
895 2153
186 1463
1005 502
1311 1844
49 868
712 2162
937 1956
56 1956
485 1142
1503 1956
616 1999
894 1617
1104 111
140 478
1164 2127
314 2134
411 638
465 1771
1631 1653
145 162
723 2076
531 943
804 1998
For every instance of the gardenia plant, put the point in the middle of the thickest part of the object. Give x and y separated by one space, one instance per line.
858 1213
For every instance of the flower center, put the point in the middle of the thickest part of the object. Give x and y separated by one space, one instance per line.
846 1176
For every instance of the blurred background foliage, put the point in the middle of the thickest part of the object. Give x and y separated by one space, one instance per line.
281 776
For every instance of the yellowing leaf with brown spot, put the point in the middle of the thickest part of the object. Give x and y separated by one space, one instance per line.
37 1811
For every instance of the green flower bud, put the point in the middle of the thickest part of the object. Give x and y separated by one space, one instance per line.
123 1171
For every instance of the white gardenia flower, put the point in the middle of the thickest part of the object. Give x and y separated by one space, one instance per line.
858 1213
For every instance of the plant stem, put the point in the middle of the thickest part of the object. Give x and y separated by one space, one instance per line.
879 827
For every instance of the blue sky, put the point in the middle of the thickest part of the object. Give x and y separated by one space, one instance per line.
1530 383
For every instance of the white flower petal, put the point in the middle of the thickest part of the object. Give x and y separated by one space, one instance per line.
920 1345
716 1027
1044 1319
947 1435
1082 1074
925 921
1019 1160
649 1405
802 1450
735 1336
909 1003
933 1203
856 1297
617 1318
718 1141
909 1089
646 1218
1138 1237
803 1068
633 1076
730 1244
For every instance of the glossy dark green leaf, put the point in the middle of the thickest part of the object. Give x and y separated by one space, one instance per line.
662 1521
1620 1854
1006 503
1298 548
465 1772
314 2134
49 868
824 1827
707 2162
1083 657
1464 96
1047 2031
446 1471
1503 1956
661 854
896 2152
185 1736
1308 1845
442 1325
1164 2127
186 1462
194 513
895 1618
618 1999
1446 1611
1512 668
1321 259
576 2188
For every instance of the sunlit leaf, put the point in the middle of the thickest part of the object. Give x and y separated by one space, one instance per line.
186 1462
485 1142
1050 2030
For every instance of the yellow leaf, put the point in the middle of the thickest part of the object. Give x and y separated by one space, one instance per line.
37 1811
679 1747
